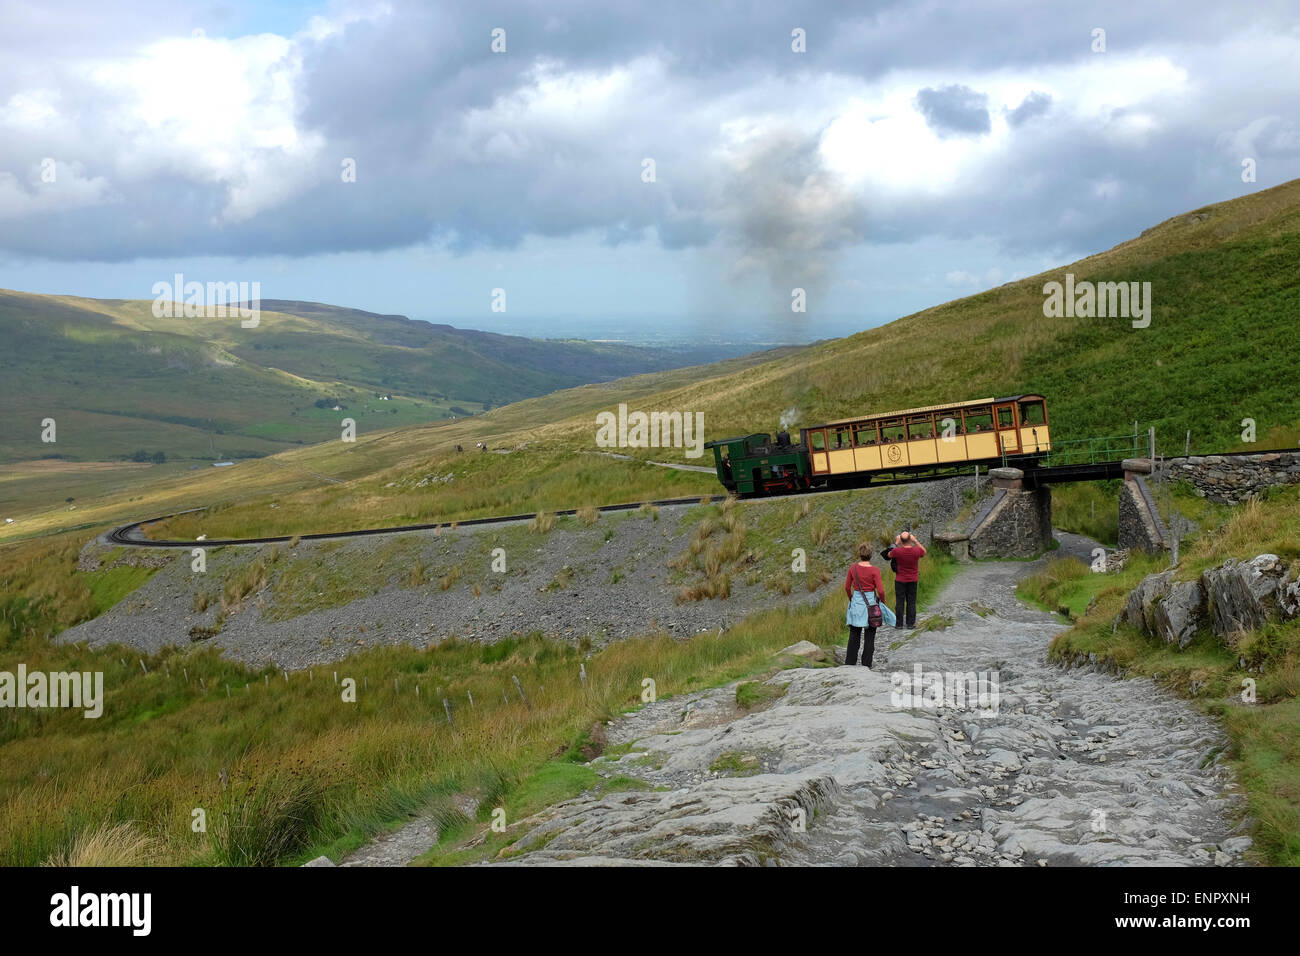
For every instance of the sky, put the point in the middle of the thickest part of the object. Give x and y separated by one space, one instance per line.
635 171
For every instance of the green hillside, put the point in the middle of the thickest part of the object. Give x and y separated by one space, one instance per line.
118 380
1220 347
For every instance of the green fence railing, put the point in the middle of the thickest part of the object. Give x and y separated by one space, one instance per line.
1090 451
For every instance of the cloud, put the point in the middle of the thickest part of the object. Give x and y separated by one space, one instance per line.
787 213
171 145
1033 105
954 110
1267 136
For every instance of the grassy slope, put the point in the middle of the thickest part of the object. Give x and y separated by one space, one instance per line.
117 379
310 774
1220 347
366 466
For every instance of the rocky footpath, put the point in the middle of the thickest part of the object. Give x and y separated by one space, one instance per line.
894 766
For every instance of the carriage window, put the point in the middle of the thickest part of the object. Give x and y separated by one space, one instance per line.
920 426
866 434
891 431
818 440
1004 417
979 419
842 438
1031 413
950 418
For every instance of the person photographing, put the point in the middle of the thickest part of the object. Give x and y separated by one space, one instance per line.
907 553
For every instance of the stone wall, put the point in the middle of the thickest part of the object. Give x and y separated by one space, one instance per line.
1233 478
1140 526
1019 525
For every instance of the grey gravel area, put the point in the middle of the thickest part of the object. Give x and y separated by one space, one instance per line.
847 767
606 581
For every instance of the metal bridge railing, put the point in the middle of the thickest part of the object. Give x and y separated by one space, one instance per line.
1091 451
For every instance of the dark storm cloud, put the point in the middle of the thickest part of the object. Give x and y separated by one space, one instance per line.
954 110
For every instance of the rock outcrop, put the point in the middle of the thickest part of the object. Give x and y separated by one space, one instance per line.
1233 597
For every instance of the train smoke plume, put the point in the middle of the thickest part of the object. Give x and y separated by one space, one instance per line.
788 213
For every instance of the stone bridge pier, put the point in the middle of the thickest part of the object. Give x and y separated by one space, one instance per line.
1015 521
1140 525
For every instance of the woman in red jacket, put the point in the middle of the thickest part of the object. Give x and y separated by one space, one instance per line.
863 577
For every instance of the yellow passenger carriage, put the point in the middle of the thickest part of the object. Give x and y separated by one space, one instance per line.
984 431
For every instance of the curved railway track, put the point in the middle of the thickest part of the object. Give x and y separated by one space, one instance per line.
124 535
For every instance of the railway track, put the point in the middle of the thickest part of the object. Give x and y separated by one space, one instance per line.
125 535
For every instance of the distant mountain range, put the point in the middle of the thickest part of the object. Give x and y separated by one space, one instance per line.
121 382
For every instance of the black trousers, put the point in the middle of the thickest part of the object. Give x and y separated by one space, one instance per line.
905 601
867 635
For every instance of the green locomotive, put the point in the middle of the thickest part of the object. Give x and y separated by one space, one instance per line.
754 464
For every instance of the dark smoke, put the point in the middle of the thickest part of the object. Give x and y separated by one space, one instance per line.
788 213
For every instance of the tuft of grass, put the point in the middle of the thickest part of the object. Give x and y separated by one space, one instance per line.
563 578
248 581
108 844
751 694
542 522
416 576
816 578
259 822
779 583
735 764
588 515
935 622
821 530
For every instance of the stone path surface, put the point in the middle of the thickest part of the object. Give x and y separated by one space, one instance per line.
399 847
853 766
